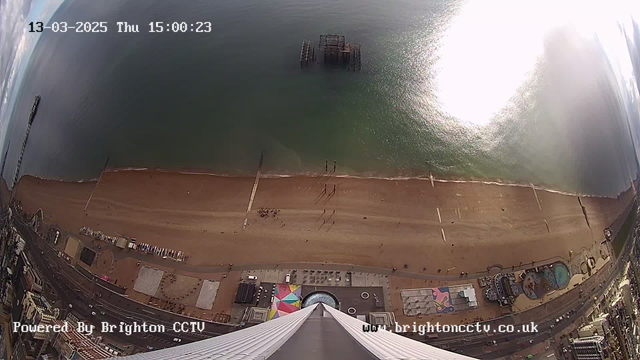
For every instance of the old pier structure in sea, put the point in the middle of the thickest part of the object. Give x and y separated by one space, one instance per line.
334 50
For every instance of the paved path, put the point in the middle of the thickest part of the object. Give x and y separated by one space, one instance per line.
475 345
544 316
121 255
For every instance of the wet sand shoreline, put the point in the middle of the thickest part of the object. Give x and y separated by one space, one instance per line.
377 222
267 174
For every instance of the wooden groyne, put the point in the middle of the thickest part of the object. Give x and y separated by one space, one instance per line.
253 192
98 183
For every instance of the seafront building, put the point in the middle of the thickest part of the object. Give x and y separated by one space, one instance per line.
36 311
597 327
589 348
315 333
285 313
24 302
75 345
612 332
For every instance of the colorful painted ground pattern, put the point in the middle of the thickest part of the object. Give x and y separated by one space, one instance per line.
287 299
442 300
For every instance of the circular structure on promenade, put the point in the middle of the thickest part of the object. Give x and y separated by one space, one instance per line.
351 311
548 278
364 295
320 297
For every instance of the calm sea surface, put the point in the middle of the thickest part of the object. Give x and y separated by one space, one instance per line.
458 89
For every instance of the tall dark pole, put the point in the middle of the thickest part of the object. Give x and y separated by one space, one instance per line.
4 158
32 115
98 183
4 161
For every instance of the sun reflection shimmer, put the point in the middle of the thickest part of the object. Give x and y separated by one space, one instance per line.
491 48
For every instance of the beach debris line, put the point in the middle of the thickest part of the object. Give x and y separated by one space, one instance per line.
132 244
99 235
165 253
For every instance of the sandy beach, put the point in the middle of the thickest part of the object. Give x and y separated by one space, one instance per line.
377 222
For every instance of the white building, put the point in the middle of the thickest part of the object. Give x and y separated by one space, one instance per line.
588 348
36 311
596 327
317 332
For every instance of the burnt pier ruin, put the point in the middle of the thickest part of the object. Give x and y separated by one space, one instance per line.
333 50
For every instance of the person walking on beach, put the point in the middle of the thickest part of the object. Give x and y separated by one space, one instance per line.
326 165
334 166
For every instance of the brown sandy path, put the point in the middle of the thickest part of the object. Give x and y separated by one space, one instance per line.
127 269
203 216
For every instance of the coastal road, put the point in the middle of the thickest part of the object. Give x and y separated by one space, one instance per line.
86 296
476 345
67 294
120 254
576 303
470 345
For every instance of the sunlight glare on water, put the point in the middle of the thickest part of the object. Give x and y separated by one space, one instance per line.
538 92
491 48
485 55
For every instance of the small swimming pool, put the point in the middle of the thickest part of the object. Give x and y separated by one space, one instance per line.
561 272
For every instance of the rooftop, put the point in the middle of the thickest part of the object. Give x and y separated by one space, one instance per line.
588 339
82 344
